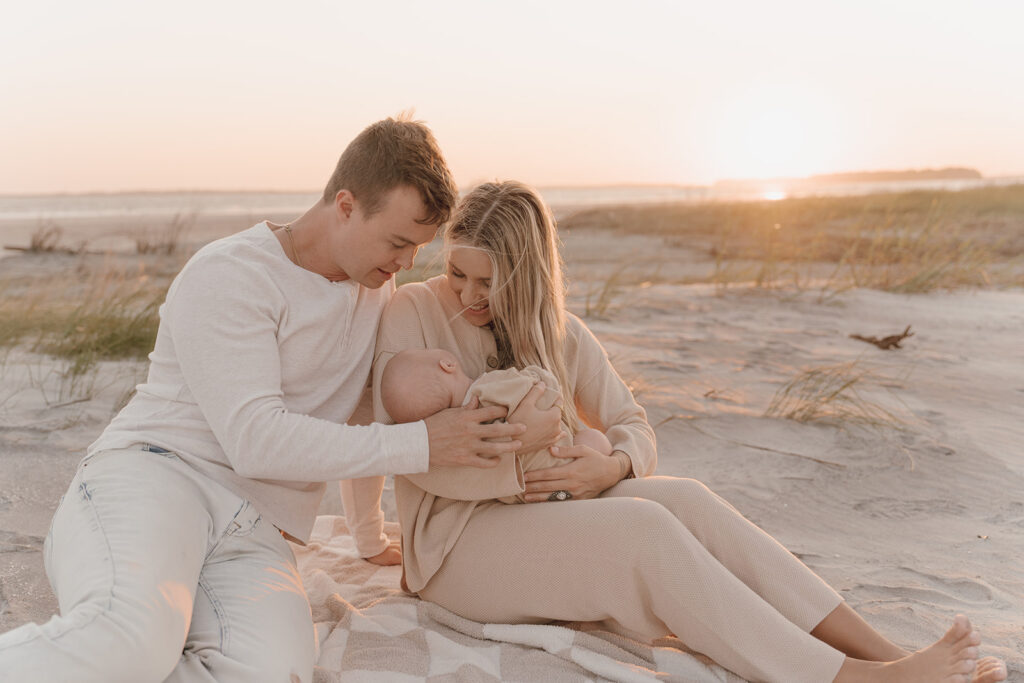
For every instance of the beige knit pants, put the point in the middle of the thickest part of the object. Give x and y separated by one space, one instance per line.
649 557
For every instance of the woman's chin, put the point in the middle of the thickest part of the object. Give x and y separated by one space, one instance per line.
478 318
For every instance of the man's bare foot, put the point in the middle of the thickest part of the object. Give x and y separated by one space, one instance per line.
989 670
950 660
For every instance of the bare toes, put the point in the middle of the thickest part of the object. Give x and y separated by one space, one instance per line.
961 628
970 652
964 666
990 670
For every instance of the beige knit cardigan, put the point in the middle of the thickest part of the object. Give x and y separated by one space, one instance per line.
425 315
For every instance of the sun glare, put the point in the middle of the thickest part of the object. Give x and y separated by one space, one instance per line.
777 132
773 195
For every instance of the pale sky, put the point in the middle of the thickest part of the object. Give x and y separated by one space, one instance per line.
109 96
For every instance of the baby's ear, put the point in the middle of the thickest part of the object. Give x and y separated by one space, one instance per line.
447 366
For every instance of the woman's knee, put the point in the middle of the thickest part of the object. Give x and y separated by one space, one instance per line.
638 522
684 488
690 499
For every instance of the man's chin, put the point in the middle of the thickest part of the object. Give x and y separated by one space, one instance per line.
376 278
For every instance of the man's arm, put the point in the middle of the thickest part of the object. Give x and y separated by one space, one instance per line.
223 320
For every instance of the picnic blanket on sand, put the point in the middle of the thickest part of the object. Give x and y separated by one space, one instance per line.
369 630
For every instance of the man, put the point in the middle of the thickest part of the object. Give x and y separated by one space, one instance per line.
166 554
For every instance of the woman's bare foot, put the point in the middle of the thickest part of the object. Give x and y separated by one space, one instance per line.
950 660
989 670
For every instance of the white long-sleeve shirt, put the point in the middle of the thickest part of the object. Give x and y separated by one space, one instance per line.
257 366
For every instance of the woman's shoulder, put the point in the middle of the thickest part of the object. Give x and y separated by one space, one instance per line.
582 348
414 306
426 291
415 296
577 334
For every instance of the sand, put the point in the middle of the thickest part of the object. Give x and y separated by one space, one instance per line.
914 519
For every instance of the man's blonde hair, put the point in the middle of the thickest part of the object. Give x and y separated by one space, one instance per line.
511 224
393 152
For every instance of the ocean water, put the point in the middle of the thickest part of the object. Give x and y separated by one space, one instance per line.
112 221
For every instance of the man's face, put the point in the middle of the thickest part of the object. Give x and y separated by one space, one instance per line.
369 250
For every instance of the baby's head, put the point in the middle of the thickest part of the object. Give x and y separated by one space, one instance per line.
418 383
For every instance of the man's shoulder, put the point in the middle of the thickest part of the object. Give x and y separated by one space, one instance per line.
240 260
244 244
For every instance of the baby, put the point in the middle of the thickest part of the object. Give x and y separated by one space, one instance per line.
419 383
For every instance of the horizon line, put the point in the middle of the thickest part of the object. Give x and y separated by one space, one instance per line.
554 186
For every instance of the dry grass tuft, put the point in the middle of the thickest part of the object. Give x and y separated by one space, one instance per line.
836 393
602 293
903 242
169 239
45 238
113 316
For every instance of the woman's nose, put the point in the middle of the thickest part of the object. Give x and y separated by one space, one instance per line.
471 295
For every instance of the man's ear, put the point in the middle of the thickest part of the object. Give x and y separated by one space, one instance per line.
344 204
447 366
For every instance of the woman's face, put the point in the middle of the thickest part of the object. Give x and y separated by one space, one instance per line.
469 276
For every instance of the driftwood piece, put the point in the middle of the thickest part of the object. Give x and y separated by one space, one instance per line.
886 343
52 250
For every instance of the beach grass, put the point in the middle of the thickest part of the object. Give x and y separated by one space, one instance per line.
46 237
167 239
69 304
843 393
110 315
910 242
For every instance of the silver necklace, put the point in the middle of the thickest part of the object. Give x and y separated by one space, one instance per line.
291 243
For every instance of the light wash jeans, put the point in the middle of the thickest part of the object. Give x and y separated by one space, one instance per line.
163 574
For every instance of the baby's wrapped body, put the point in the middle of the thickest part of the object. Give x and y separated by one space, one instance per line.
419 382
508 388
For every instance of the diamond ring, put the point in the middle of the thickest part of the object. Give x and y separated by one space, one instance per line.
560 495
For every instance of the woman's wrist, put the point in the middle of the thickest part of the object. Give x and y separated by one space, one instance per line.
624 463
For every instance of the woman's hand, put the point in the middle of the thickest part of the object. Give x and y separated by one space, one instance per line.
389 556
543 427
586 474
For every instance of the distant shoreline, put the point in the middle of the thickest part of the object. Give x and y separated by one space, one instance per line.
847 177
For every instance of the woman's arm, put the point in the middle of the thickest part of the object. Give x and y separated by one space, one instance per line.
604 402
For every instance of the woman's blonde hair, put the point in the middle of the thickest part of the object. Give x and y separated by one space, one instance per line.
511 224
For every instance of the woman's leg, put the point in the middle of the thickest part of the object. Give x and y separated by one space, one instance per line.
847 631
766 567
750 554
629 562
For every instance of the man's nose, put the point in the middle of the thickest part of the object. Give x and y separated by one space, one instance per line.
407 257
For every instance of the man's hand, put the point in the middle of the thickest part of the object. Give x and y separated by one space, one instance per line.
543 427
460 436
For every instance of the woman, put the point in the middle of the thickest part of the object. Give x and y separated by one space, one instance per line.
646 555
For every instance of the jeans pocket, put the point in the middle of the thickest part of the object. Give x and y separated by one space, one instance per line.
244 522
